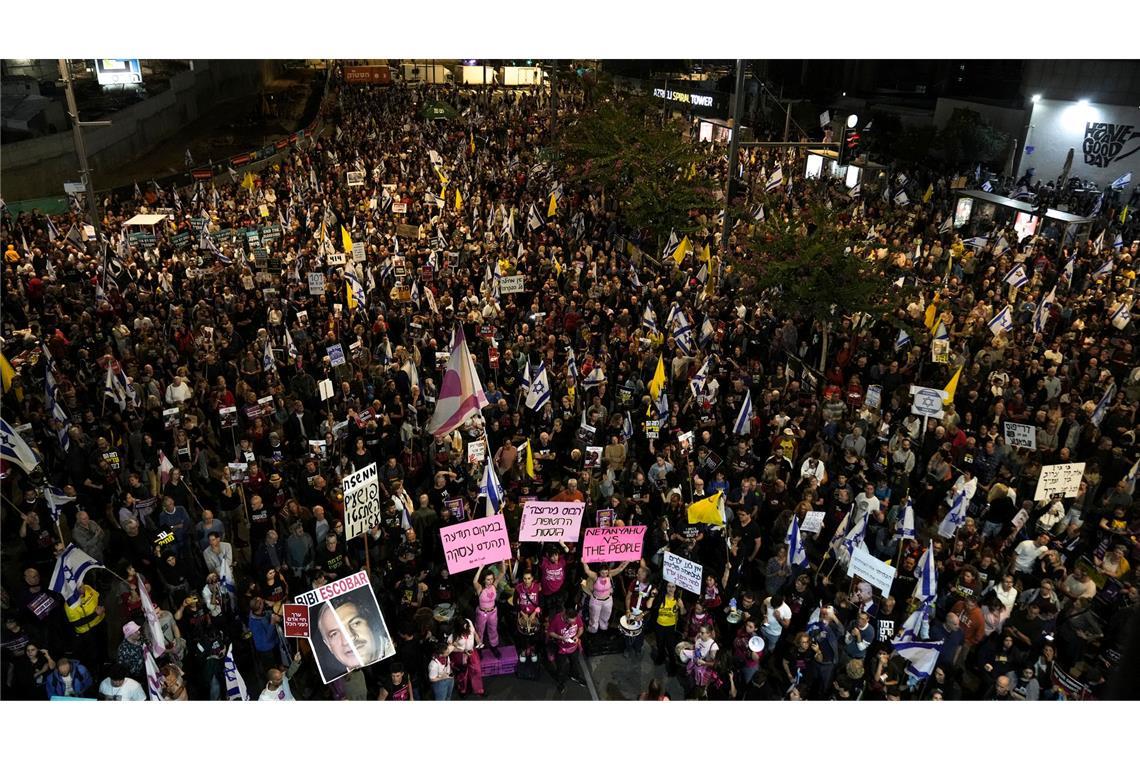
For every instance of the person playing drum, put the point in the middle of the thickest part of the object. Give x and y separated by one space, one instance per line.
639 600
528 594
601 595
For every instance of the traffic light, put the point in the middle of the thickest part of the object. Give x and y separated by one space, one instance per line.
850 141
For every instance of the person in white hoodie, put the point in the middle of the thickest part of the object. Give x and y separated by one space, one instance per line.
277 683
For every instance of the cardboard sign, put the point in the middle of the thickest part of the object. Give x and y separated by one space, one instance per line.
474 543
1059 480
336 354
355 179
927 402
613 544
333 609
513 284
685 573
228 416
552 521
874 398
813 522
1022 436
455 506
604 518
593 457
358 253
476 452
399 208
361 500
940 350
335 259
295 618
876 572
326 389
316 283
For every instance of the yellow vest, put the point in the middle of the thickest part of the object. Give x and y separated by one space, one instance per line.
83 614
667 612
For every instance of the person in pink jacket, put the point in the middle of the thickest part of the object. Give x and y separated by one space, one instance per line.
486 613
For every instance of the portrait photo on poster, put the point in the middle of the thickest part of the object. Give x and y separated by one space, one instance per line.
346 628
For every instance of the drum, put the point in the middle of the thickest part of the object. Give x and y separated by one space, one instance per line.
685 652
444 613
630 628
527 629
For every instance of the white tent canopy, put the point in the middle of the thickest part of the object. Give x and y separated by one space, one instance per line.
144 220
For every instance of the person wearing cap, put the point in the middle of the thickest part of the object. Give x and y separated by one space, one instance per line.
130 652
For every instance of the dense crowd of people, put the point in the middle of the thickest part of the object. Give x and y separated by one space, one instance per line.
188 444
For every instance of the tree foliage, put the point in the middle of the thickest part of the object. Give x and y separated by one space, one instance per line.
809 265
621 146
968 138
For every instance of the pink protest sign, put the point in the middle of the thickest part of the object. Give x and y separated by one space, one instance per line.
552 521
475 542
613 544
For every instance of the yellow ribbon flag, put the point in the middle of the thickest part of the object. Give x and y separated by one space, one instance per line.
937 327
928 194
458 200
247 183
682 248
442 178
952 386
346 239
529 459
1124 214
7 375
692 171
348 297
705 254
657 384
931 313
705 510
472 143
552 209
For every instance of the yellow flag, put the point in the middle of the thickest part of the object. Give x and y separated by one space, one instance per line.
346 239
657 384
952 386
472 143
458 200
7 375
442 177
1124 214
692 171
931 313
348 297
934 327
552 210
705 510
247 183
529 459
928 194
682 248
705 254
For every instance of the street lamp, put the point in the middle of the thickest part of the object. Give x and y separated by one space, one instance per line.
1036 97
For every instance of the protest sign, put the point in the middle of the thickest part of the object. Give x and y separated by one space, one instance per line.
876 572
355 179
326 389
1022 436
476 452
1059 480
361 500
474 543
813 522
685 573
228 416
604 518
346 627
874 397
295 617
552 521
336 354
613 544
358 253
513 284
927 402
335 259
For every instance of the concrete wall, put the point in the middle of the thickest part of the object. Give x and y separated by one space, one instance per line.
39 167
1103 138
1008 120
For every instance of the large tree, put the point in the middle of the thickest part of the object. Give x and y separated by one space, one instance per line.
968 138
621 146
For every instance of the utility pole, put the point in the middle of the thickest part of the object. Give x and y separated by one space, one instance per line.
81 149
733 149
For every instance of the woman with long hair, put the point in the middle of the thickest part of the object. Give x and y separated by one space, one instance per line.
465 663
486 612
666 626
601 590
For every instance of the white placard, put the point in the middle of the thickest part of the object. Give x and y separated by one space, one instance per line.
316 283
358 253
1022 436
355 179
1059 479
476 452
335 259
874 398
824 119
927 402
685 573
813 522
399 208
326 388
1019 519
514 284
361 500
876 572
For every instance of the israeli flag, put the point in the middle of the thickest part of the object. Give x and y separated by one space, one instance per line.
1104 269
235 684
926 576
1102 405
290 346
921 657
1070 265
797 557
940 330
663 405
627 427
1097 206
904 528
775 180
683 333
902 340
758 211
539 394
916 627
707 332
1118 242
268 363
153 677
976 242
1001 246
947 224
56 498
901 199
70 567
1121 317
1016 276
987 186
854 192
857 534
1120 182
955 517
596 377
571 364
1041 315
697 383
15 450
491 489
743 424
533 220
1001 322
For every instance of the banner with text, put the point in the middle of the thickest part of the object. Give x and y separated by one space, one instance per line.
470 544
361 500
685 573
552 521
613 544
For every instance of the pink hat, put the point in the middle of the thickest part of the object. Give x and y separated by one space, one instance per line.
131 628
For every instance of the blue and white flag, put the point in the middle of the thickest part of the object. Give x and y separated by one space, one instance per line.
955 517
571 364
1001 322
1104 269
916 627
743 424
56 498
627 427
114 390
235 684
663 405
683 333
154 635
1098 244
1097 206
1122 181
902 340
1041 314
524 380
857 534
987 186
1070 266
491 489
15 450
926 576
1016 276
1118 242
775 180
901 199
124 382
70 567
947 224
976 242
596 377
539 394
290 346
1001 246
268 363
671 244
697 383
1102 406
1121 316
921 656
904 527
707 331
358 294
797 557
